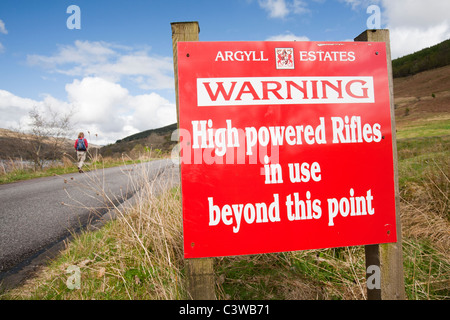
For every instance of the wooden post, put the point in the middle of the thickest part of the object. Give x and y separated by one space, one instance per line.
182 31
200 278
388 257
372 253
199 272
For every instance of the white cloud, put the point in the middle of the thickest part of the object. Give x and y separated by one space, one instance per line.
288 36
111 111
98 102
4 31
276 8
406 40
2 27
413 24
100 106
358 4
14 110
299 7
416 13
282 8
109 61
148 72
83 53
151 111
416 24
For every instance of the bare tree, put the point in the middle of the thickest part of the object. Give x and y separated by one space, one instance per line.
47 134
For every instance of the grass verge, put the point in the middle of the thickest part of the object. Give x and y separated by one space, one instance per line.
136 256
20 173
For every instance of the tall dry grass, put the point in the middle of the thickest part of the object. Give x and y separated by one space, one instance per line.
136 255
426 226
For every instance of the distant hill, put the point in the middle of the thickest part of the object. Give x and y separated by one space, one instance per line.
153 139
426 59
422 86
159 131
422 97
16 145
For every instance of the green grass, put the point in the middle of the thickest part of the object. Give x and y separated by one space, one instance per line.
419 156
331 274
27 174
424 163
426 271
425 129
30 173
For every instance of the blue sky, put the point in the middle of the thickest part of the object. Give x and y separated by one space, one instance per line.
116 72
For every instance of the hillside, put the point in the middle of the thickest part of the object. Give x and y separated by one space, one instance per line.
426 59
153 139
14 145
145 134
422 90
423 98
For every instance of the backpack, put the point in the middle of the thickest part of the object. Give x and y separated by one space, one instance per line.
80 145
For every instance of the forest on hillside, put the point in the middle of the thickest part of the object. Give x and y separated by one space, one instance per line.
425 59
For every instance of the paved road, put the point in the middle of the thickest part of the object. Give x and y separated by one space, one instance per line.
36 214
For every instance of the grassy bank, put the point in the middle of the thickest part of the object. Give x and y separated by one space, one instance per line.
136 256
20 172
139 255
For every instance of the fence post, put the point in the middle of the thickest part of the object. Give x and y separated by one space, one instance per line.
199 272
388 257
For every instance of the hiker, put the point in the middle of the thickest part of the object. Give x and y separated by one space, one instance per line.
81 145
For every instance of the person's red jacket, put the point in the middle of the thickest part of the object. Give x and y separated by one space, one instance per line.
85 143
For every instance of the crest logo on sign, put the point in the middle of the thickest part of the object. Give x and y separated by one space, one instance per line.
284 58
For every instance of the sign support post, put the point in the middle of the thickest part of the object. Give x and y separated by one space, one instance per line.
181 31
199 272
387 257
